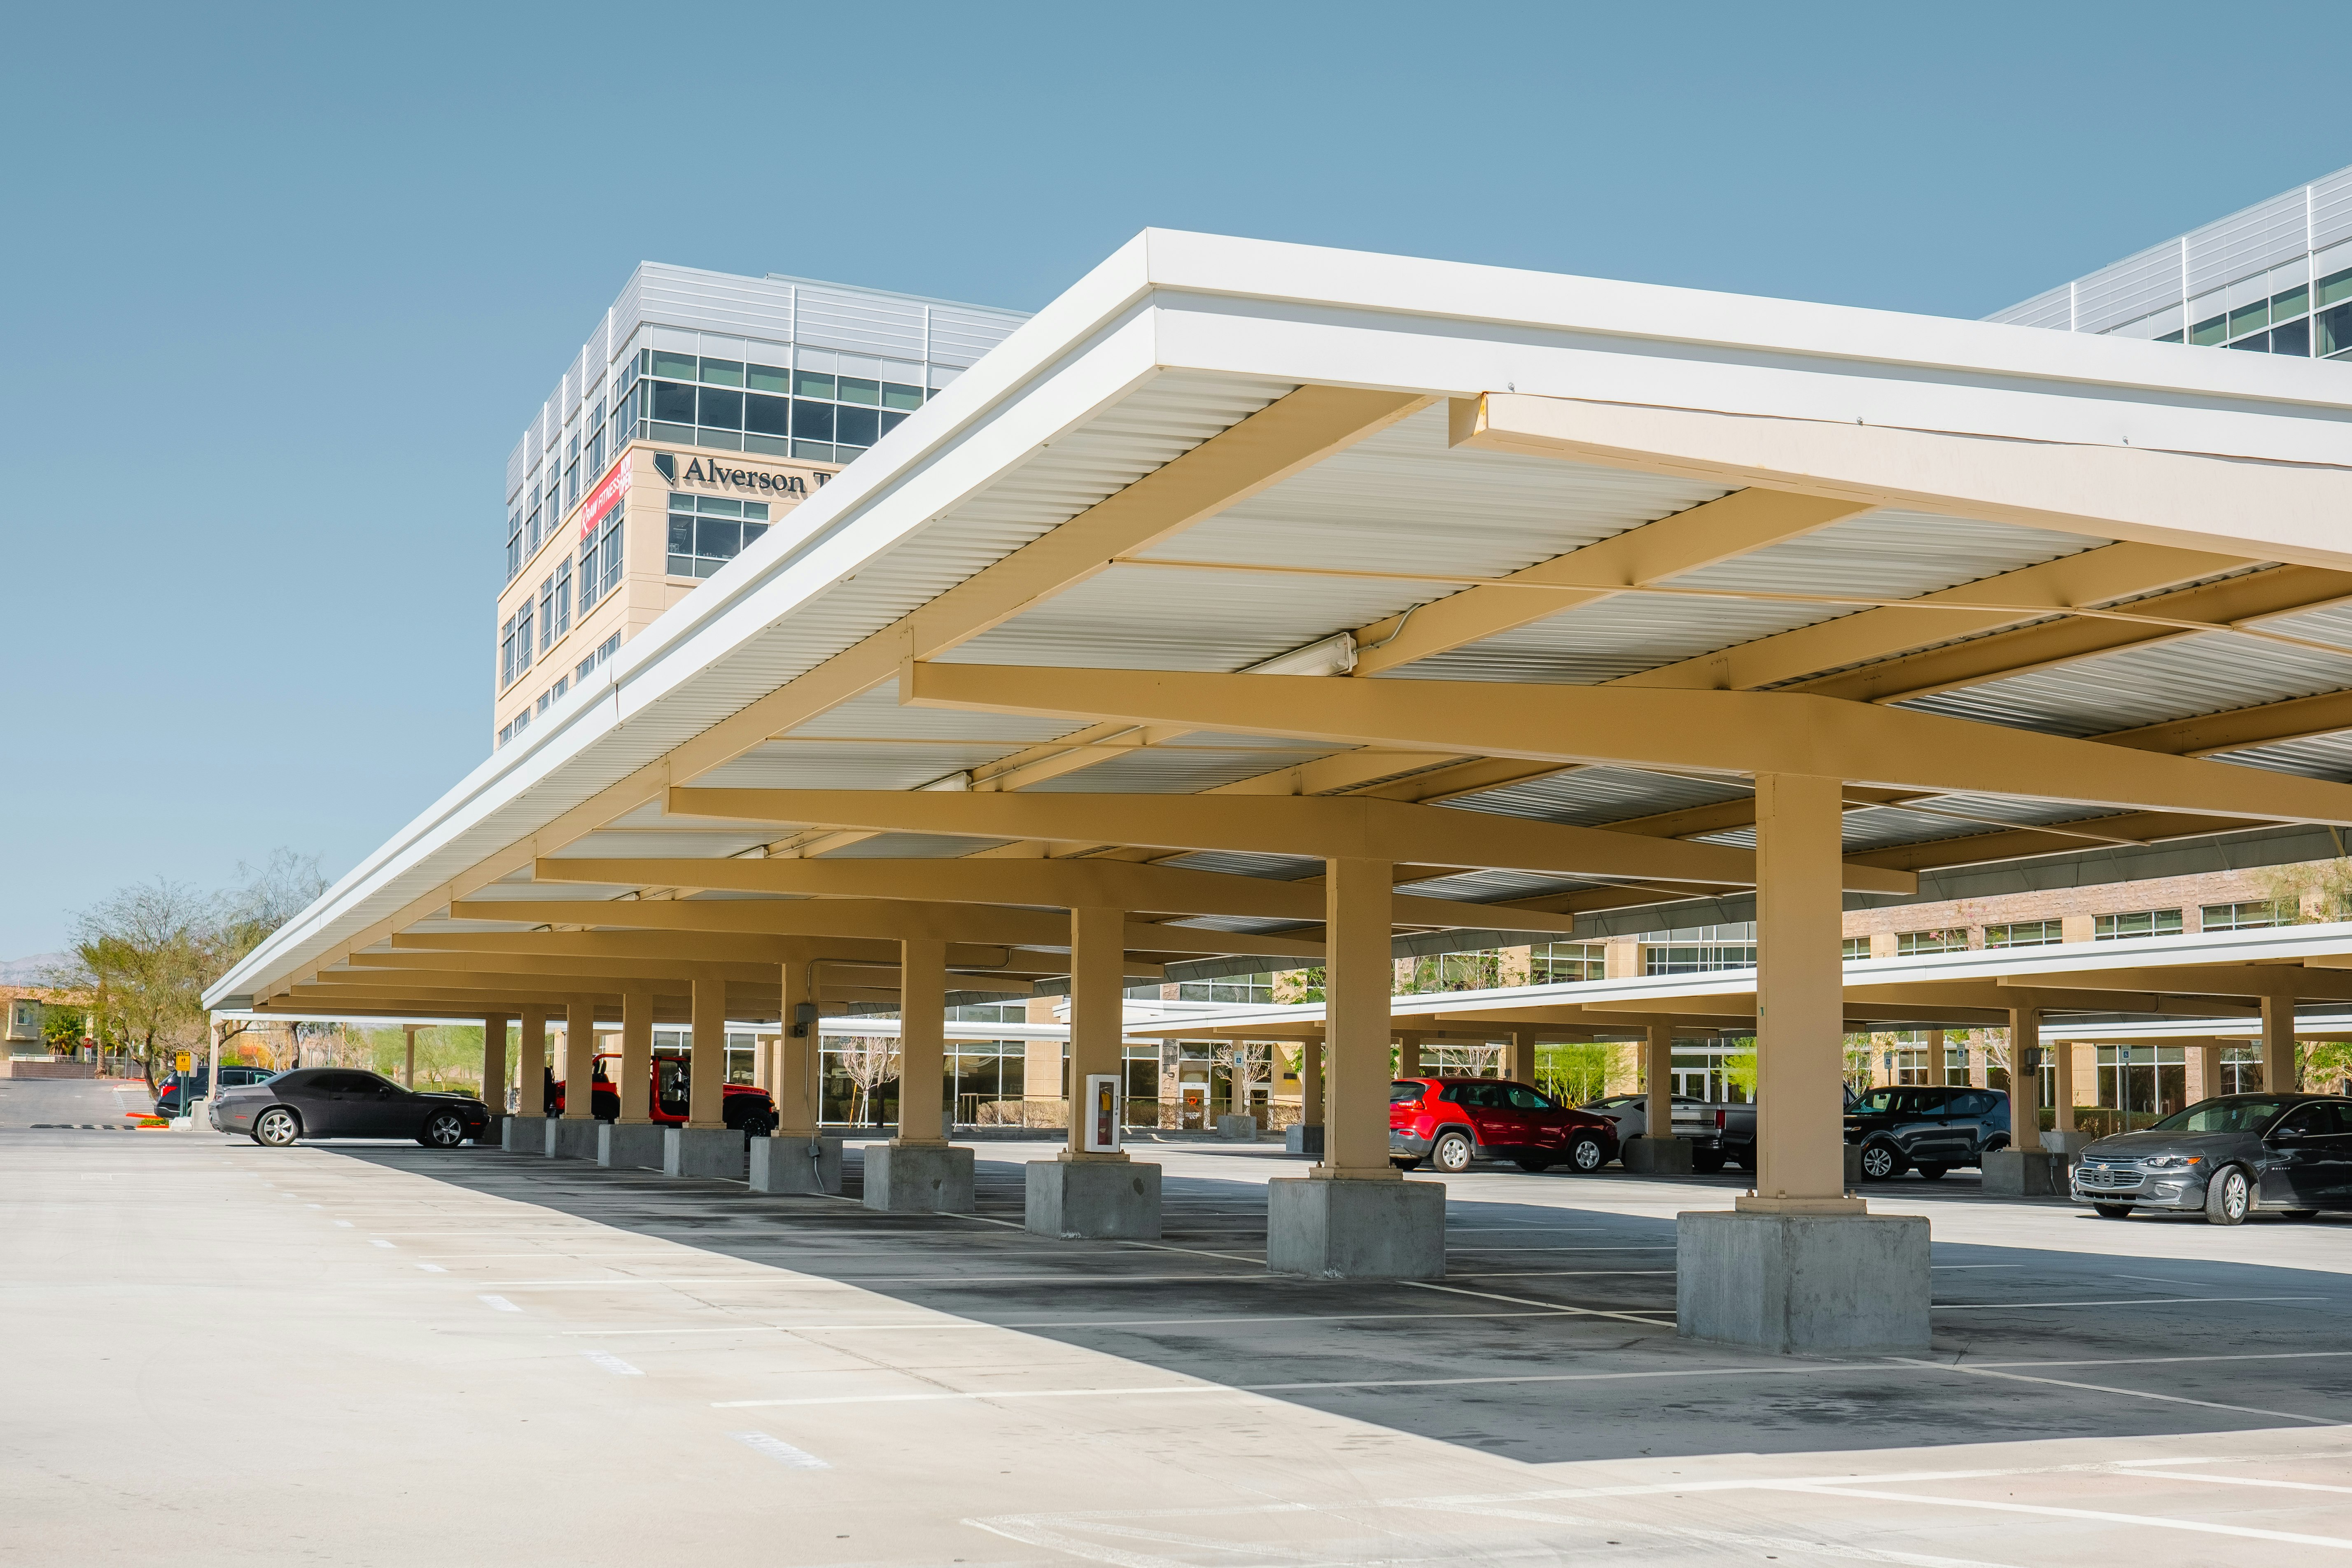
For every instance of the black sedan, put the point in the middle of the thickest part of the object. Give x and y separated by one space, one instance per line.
341 1102
2227 1156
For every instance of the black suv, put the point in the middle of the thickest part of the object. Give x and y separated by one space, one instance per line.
1925 1128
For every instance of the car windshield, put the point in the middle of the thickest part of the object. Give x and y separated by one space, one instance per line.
2231 1115
1877 1099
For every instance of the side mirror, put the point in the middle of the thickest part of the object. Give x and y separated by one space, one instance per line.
2287 1134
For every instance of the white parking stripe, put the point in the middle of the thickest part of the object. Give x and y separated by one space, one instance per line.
2133 1394
498 1303
784 1453
379 1241
613 1364
2156 1522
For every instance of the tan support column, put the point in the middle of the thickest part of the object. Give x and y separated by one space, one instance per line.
706 1072
1409 1062
2062 1113
530 1064
408 1073
1098 1016
922 1040
494 1062
1357 974
1800 997
634 1081
2209 1068
580 1061
2278 1044
1310 1081
1658 1074
1520 1057
1939 1069
2025 1079
795 1075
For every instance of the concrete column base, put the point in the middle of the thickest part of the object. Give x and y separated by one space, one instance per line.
1355 1230
1656 1156
629 1145
785 1165
1238 1129
2067 1146
494 1132
1303 1138
1101 1200
2025 1174
1803 1284
704 1151
919 1178
524 1135
570 1140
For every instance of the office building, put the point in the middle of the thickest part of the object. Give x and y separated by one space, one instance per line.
702 408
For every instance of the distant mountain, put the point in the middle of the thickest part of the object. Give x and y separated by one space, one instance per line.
28 971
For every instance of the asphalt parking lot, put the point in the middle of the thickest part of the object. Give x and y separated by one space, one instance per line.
383 1353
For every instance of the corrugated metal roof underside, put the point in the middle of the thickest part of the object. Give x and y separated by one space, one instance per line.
2317 756
1161 769
1590 797
1402 500
2178 677
1889 554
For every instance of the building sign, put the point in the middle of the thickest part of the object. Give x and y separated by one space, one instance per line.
759 483
609 488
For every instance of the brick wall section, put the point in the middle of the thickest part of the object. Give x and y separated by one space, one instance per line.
2077 907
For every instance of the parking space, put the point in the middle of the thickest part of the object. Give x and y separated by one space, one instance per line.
570 1363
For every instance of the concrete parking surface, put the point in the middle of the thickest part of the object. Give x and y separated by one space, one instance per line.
379 1353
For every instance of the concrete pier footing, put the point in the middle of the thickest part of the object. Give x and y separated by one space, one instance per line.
1092 1199
795 1164
569 1139
629 1146
1238 1129
1657 1156
523 1135
1355 1230
919 1178
1803 1284
704 1151
1303 1138
2025 1174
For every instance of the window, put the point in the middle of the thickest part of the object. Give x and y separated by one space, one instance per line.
523 615
1951 939
2024 933
706 531
767 415
1856 947
2334 330
1697 959
562 581
2142 922
506 733
856 427
722 371
672 404
514 543
2257 915
1554 962
2295 338
1256 988
507 654
768 378
600 559
718 410
895 396
2210 332
546 614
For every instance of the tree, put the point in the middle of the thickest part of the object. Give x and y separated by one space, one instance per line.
62 1027
868 1061
1574 1073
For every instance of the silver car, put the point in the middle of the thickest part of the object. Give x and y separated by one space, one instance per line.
2291 1154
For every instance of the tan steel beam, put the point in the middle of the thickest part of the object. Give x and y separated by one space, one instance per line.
2209 980
866 918
1288 435
2002 994
2266 724
1066 884
1726 731
1713 531
2225 503
719 947
1269 824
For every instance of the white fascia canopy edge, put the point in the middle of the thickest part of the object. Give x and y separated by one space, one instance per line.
1258 309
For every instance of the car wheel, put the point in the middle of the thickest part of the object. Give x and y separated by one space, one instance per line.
1933 1173
1533 1167
2228 1196
1880 1163
276 1127
1584 1153
757 1126
2112 1211
1450 1154
1403 1163
443 1130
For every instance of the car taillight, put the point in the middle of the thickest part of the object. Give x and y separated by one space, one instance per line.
1718 1122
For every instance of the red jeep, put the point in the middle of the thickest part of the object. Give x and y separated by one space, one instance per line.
1449 1121
751 1110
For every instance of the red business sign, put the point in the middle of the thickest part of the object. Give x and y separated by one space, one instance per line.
609 488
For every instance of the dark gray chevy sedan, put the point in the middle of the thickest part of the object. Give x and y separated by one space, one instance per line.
2291 1154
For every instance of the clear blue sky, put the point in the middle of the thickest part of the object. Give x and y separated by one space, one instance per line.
281 285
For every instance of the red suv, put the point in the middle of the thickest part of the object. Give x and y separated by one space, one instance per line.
753 1109
1449 1121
